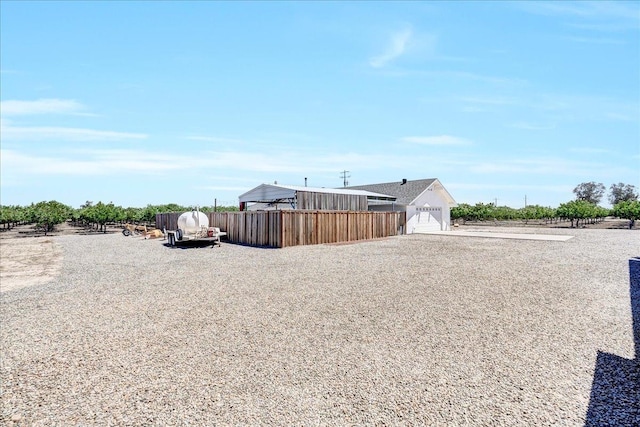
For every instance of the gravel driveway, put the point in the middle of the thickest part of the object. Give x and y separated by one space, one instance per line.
419 329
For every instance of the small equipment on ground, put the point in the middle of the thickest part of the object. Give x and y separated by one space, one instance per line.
134 230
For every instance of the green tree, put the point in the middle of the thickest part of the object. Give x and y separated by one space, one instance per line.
10 216
173 207
133 215
462 211
536 212
621 193
47 215
576 210
101 214
504 213
628 209
591 192
481 212
220 208
75 216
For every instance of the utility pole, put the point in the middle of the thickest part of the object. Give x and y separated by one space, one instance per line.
344 175
525 200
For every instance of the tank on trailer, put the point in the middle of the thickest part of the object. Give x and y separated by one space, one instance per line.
193 222
194 226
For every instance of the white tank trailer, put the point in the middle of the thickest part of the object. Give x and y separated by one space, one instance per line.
193 222
194 226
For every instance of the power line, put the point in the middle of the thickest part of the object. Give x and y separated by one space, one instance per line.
344 175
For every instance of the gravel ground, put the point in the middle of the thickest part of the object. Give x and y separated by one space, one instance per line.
420 329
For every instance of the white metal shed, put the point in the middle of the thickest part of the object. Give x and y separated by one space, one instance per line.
299 197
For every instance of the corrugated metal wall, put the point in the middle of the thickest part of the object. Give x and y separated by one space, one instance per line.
291 228
330 201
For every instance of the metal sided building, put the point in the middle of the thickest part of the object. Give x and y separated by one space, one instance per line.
283 197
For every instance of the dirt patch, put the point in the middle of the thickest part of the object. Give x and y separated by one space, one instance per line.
63 229
28 262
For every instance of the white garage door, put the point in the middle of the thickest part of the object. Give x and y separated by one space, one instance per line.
427 219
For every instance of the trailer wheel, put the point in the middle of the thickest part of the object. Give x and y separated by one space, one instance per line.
126 232
179 234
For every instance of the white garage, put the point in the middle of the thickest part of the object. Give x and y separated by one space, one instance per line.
427 203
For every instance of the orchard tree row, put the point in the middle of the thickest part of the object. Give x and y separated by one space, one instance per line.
576 211
491 212
46 215
623 197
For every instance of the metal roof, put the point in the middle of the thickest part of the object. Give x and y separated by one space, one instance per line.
408 192
273 192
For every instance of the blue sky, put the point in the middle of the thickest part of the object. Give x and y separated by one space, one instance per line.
160 102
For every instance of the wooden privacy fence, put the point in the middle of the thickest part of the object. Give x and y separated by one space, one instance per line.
280 229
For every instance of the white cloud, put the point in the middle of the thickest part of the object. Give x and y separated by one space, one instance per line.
227 178
489 100
501 167
108 162
590 9
397 46
214 139
42 133
485 103
456 75
538 166
508 81
596 40
96 163
490 186
619 117
556 107
16 163
224 188
531 126
556 8
436 140
90 162
12 132
473 110
588 150
591 15
41 106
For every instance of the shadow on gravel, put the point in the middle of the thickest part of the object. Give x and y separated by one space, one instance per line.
615 391
191 244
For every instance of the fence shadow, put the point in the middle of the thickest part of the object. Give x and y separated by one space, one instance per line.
615 391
